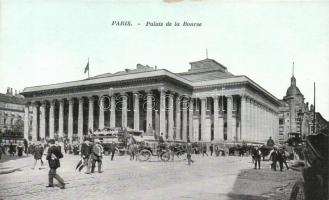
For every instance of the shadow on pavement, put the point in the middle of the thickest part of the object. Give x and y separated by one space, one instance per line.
262 184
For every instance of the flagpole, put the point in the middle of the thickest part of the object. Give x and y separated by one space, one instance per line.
88 67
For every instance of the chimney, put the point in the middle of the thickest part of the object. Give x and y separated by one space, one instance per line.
11 91
155 67
15 92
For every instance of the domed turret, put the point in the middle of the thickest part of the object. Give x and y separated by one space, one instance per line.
293 89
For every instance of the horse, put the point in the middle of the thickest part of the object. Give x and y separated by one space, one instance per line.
132 148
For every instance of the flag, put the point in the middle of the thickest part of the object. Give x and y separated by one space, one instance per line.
87 67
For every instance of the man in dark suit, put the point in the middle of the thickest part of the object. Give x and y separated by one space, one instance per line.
113 148
53 156
86 150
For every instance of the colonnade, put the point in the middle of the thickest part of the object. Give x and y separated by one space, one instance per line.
177 117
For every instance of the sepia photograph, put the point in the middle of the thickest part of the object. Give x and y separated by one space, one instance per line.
164 100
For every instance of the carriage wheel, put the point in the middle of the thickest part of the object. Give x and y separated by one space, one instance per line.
298 191
144 155
181 154
165 156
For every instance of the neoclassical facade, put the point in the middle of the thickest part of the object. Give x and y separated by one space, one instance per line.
206 103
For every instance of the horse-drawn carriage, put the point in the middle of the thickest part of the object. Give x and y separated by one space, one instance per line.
314 168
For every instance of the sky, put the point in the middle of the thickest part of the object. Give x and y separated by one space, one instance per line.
48 41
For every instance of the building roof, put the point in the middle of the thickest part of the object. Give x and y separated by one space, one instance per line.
293 90
18 99
204 73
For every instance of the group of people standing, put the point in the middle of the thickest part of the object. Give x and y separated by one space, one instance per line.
91 153
278 155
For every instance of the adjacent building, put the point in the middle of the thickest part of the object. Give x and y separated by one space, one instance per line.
11 111
294 113
206 103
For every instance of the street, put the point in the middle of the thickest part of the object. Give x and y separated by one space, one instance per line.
208 178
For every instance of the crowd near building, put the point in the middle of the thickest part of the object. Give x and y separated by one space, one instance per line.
206 103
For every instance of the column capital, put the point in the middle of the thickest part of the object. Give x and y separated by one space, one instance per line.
61 100
136 92
80 99
52 102
162 89
229 96
148 92
91 98
215 97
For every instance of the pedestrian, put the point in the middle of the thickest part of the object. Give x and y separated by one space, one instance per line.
217 150
256 154
97 155
274 158
53 155
113 148
172 149
285 156
26 145
38 152
282 159
270 142
189 153
12 149
30 149
20 149
86 150
211 148
204 149
0 151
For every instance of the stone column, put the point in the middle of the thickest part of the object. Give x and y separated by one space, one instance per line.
248 119
112 112
26 121
171 117
61 119
149 109
251 134
91 114
221 120
257 122
70 120
80 120
124 110
243 118
216 119
43 120
101 113
204 137
190 119
178 119
162 112
184 127
35 121
52 120
229 118
136 111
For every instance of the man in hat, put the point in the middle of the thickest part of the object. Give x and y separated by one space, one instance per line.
189 153
86 150
97 155
53 155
